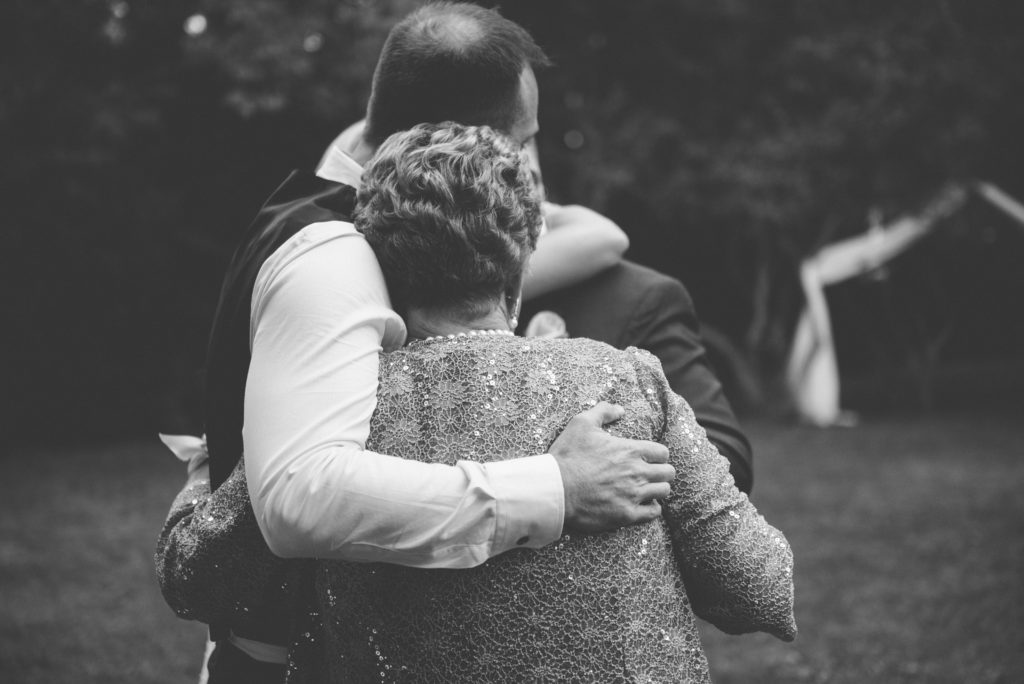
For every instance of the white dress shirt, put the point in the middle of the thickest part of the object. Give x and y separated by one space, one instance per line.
320 316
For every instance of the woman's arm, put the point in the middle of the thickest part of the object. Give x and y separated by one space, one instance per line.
577 244
738 569
211 562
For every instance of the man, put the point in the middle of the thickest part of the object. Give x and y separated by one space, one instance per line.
305 292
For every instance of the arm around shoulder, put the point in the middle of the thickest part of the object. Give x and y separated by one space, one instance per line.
578 244
319 323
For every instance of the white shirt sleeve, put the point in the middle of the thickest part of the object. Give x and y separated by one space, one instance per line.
320 315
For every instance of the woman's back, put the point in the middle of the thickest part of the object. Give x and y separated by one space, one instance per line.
609 607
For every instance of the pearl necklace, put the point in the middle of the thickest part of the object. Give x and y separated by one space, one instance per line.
471 333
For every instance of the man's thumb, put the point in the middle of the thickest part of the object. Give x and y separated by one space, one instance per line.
603 413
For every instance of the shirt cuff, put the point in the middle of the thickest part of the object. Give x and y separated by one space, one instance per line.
530 502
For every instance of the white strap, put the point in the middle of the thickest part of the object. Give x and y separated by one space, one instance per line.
188 448
259 650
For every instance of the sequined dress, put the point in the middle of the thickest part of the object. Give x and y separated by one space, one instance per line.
614 607
589 608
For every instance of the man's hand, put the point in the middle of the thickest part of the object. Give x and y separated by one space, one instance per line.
609 481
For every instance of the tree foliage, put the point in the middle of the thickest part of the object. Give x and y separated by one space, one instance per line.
729 138
755 132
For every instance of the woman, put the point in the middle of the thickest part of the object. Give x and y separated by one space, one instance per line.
452 217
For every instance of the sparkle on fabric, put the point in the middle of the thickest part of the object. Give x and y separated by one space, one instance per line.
595 608
612 606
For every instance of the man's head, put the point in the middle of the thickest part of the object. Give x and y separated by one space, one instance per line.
455 62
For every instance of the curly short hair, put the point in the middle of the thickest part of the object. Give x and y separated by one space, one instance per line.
452 214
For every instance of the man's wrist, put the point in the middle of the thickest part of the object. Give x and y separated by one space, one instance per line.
531 502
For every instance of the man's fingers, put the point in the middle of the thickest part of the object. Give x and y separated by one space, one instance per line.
652 452
655 490
609 481
659 472
602 414
646 512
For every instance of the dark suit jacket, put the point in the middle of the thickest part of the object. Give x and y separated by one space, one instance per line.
301 200
630 304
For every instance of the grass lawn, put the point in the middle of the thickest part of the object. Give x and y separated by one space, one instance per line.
908 536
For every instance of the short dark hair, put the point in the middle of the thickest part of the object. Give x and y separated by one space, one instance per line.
452 214
450 62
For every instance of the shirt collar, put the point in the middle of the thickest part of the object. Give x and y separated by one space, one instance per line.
339 167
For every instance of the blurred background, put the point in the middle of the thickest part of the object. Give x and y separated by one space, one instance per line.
731 139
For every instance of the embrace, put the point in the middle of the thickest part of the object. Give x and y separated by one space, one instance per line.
426 496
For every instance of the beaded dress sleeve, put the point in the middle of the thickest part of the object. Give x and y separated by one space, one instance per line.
602 607
212 563
738 569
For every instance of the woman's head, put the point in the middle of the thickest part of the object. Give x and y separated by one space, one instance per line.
452 214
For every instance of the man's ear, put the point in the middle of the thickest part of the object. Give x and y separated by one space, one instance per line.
533 154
